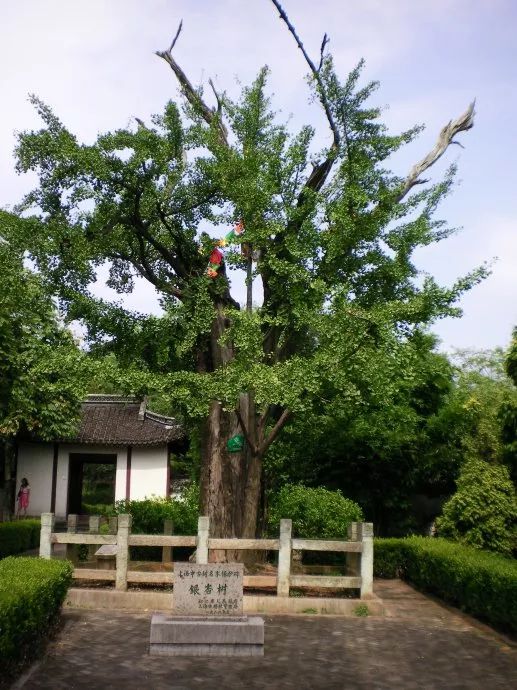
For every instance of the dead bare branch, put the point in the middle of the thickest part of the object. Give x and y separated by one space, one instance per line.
321 88
446 137
208 114
326 39
217 98
176 37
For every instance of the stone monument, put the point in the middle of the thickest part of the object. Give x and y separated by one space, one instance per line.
207 615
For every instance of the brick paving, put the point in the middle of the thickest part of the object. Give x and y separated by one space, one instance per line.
418 644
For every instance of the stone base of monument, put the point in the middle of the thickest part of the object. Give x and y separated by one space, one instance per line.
206 636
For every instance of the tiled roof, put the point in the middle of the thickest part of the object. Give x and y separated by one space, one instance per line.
114 420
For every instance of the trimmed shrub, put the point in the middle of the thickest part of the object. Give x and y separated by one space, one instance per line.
317 513
389 557
481 583
148 517
18 536
31 593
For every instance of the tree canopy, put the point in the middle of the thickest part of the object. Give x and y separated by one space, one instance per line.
42 373
330 233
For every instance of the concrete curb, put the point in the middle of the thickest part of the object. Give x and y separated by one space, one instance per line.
162 601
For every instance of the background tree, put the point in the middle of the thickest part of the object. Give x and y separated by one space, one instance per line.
483 511
42 371
401 440
329 232
508 413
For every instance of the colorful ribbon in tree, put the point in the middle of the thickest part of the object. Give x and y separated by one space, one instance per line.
216 258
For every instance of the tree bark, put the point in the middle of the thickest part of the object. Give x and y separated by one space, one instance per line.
230 481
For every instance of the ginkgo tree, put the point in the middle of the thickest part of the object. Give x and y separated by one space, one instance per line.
329 233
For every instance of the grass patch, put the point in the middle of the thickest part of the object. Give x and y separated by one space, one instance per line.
362 611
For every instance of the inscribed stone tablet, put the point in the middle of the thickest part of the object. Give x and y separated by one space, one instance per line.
214 589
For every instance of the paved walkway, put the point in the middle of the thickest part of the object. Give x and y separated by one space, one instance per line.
418 644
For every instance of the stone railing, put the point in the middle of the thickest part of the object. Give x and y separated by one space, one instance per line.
358 546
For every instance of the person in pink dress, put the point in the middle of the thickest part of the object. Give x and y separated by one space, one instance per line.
23 497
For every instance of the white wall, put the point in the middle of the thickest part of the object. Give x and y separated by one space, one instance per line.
148 472
120 476
35 463
62 470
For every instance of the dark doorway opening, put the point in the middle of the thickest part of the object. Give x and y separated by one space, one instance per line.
91 482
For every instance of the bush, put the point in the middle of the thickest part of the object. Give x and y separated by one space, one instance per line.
18 536
31 593
483 511
317 513
148 517
481 583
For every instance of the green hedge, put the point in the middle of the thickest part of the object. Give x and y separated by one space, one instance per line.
18 536
31 593
481 583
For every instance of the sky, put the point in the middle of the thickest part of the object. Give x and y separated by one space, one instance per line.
93 62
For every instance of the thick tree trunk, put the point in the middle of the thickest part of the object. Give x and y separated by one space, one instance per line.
230 481
222 474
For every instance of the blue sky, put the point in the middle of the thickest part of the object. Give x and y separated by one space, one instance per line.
93 62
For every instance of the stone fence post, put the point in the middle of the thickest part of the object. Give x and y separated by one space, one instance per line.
45 540
284 558
203 525
168 529
365 535
94 528
353 560
72 549
124 530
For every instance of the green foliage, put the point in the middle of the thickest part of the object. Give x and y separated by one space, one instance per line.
483 511
316 512
511 359
31 593
386 444
42 372
508 413
18 536
481 583
389 557
335 259
148 515
421 417
98 509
